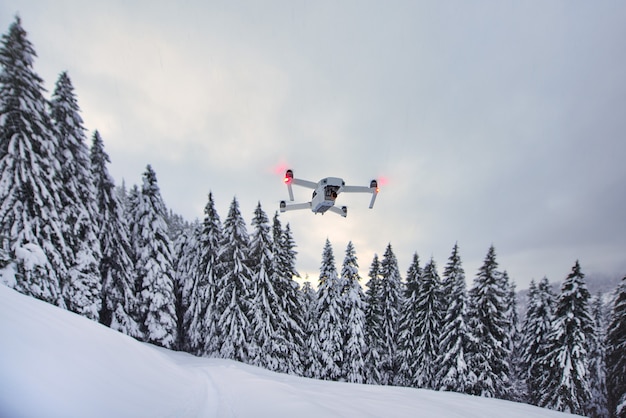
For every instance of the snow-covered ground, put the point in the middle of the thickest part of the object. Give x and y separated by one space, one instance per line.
57 364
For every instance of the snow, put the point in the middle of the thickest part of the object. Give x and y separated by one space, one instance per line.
55 363
31 255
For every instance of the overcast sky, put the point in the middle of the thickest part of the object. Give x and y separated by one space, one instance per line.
488 122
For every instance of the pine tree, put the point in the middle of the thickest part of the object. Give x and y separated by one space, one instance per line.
454 341
407 335
116 266
488 358
176 225
311 362
154 264
291 325
329 321
615 358
234 287
209 273
268 346
354 314
187 288
429 319
535 329
566 385
598 405
518 389
82 286
390 304
29 195
373 321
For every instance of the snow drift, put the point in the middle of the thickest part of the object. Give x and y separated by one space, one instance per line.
54 363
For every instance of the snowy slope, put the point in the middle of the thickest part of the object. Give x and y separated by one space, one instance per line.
57 364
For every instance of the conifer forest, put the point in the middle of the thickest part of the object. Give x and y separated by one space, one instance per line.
222 288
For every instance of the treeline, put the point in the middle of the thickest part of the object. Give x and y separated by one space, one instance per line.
70 237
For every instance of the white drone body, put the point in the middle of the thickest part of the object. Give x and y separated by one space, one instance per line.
325 194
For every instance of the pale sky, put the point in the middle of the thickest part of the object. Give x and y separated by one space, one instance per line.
488 122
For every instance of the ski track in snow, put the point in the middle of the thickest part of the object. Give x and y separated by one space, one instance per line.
54 363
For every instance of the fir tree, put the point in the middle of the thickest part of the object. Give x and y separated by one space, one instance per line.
488 358
234 287
311 362
82 286
176 225
354 314
429 318
209 273
516 375
154 266
329 320
598 405
535 330
291 325
189 297
407 335
566 384
390 303
373 321
454 341
615 358
29 170
116 265
268 346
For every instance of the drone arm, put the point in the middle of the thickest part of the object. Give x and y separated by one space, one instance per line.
373 189
289 180
290 191
296 206
343 211
304 183
357 189
374 194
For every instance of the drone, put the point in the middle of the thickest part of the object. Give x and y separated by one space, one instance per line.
325 194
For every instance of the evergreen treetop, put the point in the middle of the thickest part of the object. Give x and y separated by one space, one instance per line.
29 170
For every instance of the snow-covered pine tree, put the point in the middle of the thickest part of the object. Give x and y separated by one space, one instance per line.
454 340
516 375
116 265
615 357
234 287
132 202
154 265
290 308
82 287
122 195
207 328
189 300
373 321
566 384
390 295
329 321
407 336
176 225
29 190
310 358
268 345
598 405
354 315
429 320
131 209
489 354
535 329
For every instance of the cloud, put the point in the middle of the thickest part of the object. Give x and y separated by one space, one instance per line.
493 123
